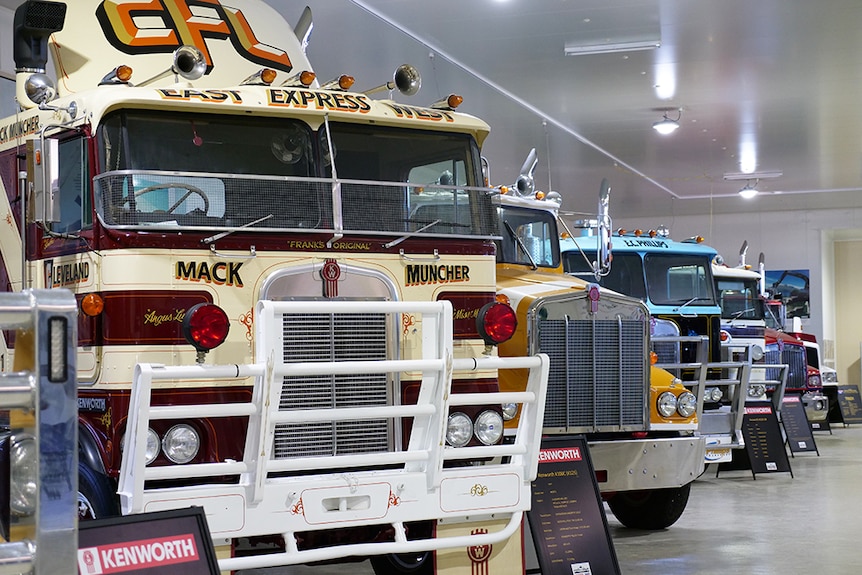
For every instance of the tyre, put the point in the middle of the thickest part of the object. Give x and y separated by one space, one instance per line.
96 495
650 509
413 563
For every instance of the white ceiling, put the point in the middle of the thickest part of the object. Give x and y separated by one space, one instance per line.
775 82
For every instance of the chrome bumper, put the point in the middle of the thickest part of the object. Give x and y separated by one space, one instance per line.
647 463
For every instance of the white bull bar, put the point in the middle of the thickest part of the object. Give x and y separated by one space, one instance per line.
397 487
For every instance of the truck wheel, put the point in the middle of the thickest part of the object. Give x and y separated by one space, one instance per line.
96 495
650 509
412 563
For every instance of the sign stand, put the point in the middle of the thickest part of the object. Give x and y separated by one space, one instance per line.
848 401
567 517
797 428
821 426
764 445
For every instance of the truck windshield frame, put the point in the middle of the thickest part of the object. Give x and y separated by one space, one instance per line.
740 299
679 279
535 231
185 170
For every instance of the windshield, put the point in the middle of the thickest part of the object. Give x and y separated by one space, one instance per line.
739 299
626 275
529 237
679 280
216 171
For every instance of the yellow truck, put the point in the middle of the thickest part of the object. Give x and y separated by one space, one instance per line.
640 422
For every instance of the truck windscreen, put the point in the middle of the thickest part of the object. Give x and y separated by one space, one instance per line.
739 299
195 170
684 280
529 237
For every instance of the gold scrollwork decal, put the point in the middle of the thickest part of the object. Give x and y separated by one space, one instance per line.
479 490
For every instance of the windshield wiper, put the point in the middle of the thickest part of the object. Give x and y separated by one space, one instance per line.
521 244
742 312
221 235
689 302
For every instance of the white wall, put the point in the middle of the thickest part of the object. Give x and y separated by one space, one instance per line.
789 240
7 62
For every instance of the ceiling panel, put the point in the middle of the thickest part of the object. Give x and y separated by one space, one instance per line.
765 85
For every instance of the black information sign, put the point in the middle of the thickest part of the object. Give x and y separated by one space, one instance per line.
567 517
173 542
764 446
796 426
821 426
848 401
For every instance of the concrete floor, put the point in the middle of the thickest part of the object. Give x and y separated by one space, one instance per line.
777 524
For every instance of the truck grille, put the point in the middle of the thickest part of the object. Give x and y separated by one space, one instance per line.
597 374
328 337
794 357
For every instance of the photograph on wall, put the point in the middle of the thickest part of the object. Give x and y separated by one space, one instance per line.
791 287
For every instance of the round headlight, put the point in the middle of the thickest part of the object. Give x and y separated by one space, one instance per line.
510 410
686 404
756 352
489 427
181 443
459 429
154 444
23 475
666 404
715 394
819 405
814 381
756 390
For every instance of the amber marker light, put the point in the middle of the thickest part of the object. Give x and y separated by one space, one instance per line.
653 358
450 102
267 76
92 304
124 73
306 77
345 81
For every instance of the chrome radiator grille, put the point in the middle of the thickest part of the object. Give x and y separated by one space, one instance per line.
326 337
597 376
794 357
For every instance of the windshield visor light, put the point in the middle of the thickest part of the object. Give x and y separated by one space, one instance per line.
510 410
205 326
496 323
686 404
666 404
489 427
459 429
181 443
23 476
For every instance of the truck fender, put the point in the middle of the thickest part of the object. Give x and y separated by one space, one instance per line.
88 450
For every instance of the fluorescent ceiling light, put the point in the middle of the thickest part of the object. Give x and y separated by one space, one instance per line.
753 175
575 49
